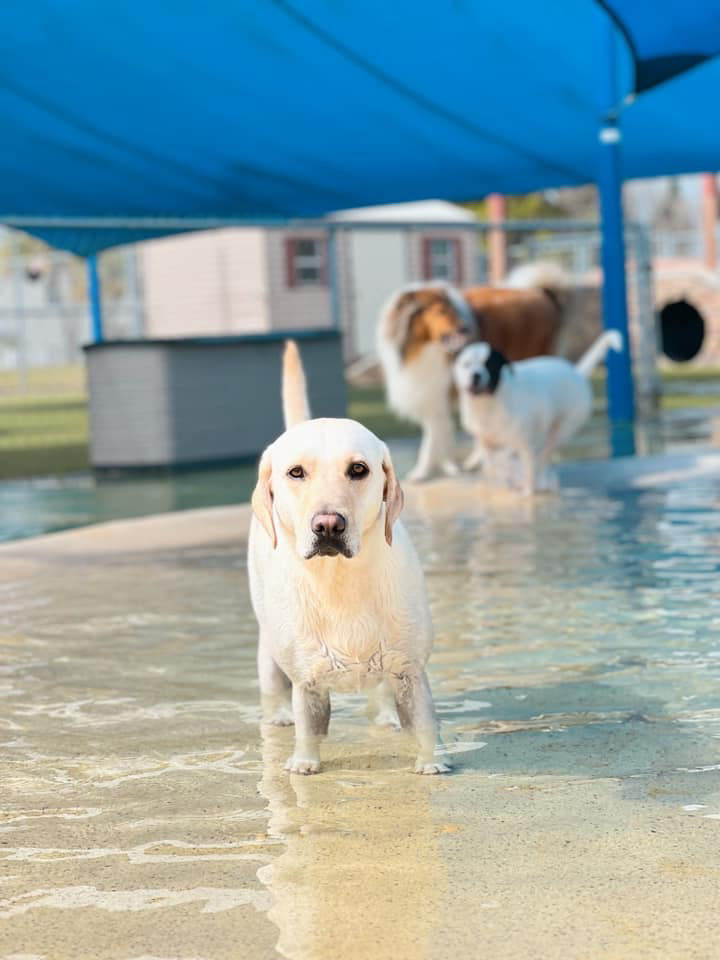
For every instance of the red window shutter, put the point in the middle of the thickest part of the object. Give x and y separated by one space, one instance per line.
290 274
426 265
458 245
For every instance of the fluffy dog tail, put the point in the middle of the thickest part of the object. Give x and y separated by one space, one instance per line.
610 340
542 275
294 389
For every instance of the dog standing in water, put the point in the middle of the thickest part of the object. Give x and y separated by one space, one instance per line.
421 328
524 411
336 585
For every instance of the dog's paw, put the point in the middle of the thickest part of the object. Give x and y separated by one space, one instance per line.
302 765
450 469
280 717
388 719
548 481
431 769
417 476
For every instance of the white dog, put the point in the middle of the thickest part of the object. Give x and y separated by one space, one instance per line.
336 585
524 410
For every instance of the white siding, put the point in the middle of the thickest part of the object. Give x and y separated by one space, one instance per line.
236 281
212 282
469 254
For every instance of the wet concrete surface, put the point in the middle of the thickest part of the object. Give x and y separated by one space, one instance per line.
576 669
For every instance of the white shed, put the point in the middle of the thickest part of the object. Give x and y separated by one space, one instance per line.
376 262
255 280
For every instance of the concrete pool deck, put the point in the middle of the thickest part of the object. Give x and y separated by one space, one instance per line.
143 815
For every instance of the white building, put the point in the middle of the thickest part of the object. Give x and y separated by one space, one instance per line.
252 280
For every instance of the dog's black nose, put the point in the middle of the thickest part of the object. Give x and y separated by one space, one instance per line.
476 379
328 524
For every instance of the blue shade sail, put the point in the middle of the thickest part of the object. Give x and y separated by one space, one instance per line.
666 37
275 109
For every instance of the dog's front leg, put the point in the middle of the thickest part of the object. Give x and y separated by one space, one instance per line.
381 706
529 471
274 687
444 442
311 710
417 716
435 448
477 456
422 469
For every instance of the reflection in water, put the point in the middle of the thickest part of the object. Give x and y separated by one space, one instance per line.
361 875
29 508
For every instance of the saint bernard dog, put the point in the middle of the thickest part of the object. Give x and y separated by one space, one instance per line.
424 325
519 414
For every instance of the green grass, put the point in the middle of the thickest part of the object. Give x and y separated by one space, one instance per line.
367 404
41 435
51 382
696 374
684 401
44 421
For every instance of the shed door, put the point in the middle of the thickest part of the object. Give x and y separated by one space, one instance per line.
378 265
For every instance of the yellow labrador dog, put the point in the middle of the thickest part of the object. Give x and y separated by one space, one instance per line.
336 585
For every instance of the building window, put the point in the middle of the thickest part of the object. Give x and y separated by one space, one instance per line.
306 260
442 259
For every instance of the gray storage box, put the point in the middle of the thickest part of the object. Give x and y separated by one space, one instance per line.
199 401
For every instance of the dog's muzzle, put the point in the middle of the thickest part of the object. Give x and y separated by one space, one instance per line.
329 530
453 343
479 383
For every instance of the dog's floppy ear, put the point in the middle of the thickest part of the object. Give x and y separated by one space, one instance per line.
392 495
400 317
262 498
494 364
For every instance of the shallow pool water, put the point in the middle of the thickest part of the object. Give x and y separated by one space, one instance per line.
32 507
577 676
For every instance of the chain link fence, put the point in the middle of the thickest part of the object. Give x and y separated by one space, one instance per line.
374 260
252 280
44 312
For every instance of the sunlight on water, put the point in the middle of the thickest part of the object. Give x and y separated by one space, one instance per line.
577 676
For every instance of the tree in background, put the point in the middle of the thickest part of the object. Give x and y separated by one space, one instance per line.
575 203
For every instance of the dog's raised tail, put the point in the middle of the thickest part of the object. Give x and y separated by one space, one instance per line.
610 340
294 388
542 275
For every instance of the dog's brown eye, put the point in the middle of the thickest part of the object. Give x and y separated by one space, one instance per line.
356 471
297 473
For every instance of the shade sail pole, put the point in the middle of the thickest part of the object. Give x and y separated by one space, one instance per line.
497 239
95 299
621 403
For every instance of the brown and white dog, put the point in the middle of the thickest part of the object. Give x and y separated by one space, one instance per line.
421 329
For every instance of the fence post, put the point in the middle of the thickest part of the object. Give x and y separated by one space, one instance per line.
21 346
621 405
710 215
132 277
497 240
95 296
646 329
334 277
